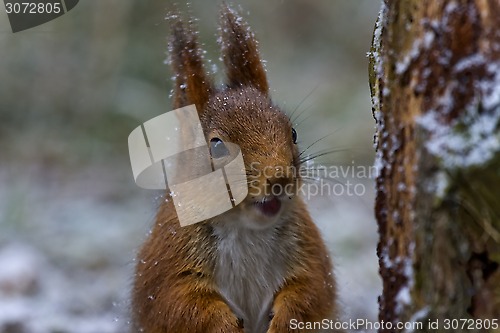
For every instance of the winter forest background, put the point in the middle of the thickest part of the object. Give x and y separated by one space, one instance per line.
71 90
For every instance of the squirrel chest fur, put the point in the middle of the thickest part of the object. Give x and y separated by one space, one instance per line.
260 264
250 267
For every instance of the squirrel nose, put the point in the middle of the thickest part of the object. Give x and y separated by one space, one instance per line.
279 181
281 177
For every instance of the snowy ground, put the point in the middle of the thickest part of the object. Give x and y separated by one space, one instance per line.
67 250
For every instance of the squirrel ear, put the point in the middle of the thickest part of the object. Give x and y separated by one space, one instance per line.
239 52
191 83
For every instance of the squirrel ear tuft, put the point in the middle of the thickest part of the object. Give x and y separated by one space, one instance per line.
239 52
191 83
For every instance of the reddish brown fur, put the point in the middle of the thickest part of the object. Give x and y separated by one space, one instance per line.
240 54
175 288
192 86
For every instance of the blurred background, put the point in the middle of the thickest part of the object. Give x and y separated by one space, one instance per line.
71 90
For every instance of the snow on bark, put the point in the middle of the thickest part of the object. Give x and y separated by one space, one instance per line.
377 69
473 138
435 87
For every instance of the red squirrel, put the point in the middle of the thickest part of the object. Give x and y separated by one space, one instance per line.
260 265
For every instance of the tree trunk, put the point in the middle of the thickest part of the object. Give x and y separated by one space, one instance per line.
435 85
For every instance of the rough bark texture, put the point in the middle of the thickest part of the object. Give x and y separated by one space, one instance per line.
435 83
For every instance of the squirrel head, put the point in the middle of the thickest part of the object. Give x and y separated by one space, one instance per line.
240 113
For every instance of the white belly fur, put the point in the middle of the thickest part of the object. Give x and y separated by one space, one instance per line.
249 270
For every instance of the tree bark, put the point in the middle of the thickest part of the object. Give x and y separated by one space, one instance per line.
435 85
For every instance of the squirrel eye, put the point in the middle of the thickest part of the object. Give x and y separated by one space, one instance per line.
294 136
218 148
